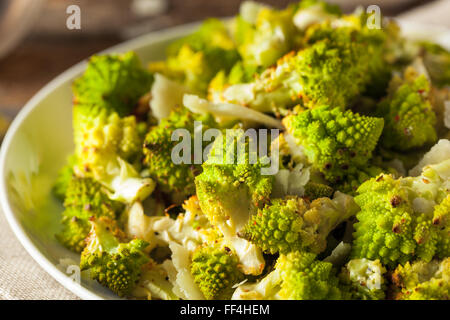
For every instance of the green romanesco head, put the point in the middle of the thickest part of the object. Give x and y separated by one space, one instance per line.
329 72
441 219
104 99
316 68
114 264
100 140
215 270
335 142
371 68
388 228
363 279
293 224
84 198
194 60
113 83
109 149
305 278
232 186
175 177
423 280
408 114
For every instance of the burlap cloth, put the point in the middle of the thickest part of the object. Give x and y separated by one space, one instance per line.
22 278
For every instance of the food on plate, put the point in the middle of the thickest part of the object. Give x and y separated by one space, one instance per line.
296 153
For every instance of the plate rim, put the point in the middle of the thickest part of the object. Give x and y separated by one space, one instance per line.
17 228
30 105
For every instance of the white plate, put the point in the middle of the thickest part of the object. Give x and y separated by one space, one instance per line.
38 142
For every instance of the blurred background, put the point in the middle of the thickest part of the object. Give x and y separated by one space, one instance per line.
36 45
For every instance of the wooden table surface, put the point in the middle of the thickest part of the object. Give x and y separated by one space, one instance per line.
50 47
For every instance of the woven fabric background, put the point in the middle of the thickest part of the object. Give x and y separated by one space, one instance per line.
22 278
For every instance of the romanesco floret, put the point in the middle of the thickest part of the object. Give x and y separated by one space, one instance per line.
297 276
174 178
408 114
231 186
376 73
328 72
196 59
335 142
113 83
441 219
423 280
364 279
215 270
84 198
99 140
108 138
293 224
112 262
306 278
388 228
267 38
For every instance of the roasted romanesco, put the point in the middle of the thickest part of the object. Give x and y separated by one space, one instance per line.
159 143
215 270
389 226
408 113
423 280
84 199
294 224
336 143
283 153
108 138
111 261
195 59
